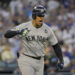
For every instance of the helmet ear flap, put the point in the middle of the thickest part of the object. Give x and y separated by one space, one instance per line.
34 16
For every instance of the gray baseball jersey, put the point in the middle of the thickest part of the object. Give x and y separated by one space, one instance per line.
36 40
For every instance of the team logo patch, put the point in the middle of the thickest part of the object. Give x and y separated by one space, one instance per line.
46 31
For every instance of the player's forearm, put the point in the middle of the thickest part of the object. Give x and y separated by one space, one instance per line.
58 52
10 33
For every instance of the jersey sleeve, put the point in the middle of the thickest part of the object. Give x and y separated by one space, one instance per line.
52 38
19 27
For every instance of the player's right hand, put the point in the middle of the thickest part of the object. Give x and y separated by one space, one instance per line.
60 66
23 32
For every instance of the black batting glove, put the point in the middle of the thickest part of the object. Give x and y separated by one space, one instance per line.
23 32
60 66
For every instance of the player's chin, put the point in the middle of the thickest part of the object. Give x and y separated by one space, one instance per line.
40 23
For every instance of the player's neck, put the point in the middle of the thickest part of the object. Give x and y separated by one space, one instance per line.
33 23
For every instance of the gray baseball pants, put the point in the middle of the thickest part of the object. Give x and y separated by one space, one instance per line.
31 66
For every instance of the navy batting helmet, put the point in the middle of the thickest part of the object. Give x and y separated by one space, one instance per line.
38 10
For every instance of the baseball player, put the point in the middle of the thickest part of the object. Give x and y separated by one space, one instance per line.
35 36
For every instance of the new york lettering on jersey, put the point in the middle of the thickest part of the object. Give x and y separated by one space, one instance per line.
36 38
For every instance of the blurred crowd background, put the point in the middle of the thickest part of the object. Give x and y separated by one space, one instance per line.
60 16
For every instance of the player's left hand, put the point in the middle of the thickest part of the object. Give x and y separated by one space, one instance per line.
60 66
